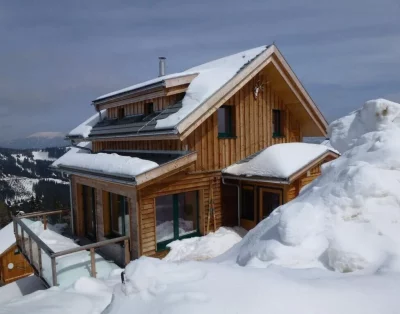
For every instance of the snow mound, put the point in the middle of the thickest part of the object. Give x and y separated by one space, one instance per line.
349 218
7 237
83 130
203 248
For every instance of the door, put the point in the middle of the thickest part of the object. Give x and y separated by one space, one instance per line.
270 199
248 213
89 212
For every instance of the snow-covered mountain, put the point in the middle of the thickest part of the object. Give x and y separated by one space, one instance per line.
37 140
25 174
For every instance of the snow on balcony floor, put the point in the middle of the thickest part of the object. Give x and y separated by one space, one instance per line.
69 267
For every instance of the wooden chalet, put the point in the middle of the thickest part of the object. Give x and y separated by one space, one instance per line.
13 265
148 164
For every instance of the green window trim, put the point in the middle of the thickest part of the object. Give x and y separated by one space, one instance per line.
277 123
161 246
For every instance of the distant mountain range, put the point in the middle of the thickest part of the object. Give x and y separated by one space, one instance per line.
25 175
37 140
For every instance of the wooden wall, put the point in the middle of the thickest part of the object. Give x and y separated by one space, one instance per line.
21 266
182 182
159 104
100 201
253 130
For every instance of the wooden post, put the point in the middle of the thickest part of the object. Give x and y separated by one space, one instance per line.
23 240
127 252
45 222
30 249
40 261
93 262
54 271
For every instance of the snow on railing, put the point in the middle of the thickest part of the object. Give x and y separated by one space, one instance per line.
43 258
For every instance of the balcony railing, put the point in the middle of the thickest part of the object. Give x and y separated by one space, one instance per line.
43 259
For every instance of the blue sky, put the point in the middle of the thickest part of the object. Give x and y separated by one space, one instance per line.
57 56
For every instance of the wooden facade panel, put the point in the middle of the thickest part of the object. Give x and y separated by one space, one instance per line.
20 266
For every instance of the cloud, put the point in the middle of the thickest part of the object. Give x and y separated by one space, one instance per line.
59 56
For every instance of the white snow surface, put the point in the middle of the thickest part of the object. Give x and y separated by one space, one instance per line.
20 288
333 249
83 130
279 160
203 248
210 78
112 164
7 237
41 155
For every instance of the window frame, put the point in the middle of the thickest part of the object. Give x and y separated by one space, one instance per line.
277 119
230 133
161 246
124 199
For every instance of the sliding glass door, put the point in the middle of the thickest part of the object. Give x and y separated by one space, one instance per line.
176 217
89 211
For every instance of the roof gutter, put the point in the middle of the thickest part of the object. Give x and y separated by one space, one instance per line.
96 175
233 177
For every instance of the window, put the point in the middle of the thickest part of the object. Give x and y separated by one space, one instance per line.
89 211
225 121
176 217
121 113
248 203
148 109
277 123
116 222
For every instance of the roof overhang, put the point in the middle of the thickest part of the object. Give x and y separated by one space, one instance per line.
276 180
141 180
164 87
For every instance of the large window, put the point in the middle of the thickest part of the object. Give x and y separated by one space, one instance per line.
116 215
225 121
277 123
177 217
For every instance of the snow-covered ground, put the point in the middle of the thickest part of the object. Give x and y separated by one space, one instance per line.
334 249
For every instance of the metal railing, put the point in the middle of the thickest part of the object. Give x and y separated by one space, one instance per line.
42 258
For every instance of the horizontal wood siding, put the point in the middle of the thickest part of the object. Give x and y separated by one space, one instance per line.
182 182
159 104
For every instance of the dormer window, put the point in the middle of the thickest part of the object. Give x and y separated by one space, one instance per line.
148 108
121 113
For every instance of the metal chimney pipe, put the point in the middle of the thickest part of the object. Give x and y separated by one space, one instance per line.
161 66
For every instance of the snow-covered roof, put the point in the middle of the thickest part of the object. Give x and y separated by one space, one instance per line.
211 77
278 161
83 130
7 237
103 163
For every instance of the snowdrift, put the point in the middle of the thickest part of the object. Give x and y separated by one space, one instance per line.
349 218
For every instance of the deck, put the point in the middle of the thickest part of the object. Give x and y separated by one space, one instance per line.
58 260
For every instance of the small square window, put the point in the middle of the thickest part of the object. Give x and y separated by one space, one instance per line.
121 113
225 121
277 123
148 108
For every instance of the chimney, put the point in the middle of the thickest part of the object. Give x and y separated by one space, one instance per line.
161 66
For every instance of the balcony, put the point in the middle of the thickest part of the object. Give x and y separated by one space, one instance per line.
57 259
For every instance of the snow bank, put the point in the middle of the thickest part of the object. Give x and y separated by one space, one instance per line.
87 296
349 218
41 155
280 160
20 288
203 248
111 164
83 130
7 237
